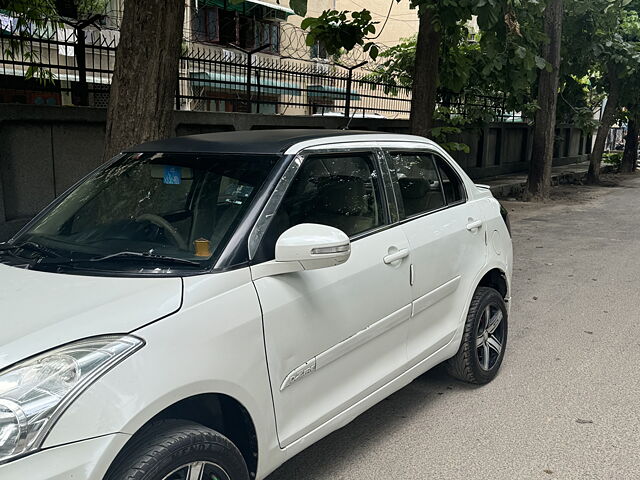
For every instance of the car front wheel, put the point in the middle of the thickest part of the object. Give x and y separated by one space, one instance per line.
484 340
179 450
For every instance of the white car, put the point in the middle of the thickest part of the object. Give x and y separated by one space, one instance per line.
206 307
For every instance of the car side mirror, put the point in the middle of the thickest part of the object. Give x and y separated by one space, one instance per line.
308 246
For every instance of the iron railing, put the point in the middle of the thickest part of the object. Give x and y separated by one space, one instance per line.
235 81
53 66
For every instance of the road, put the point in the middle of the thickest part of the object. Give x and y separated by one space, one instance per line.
566 404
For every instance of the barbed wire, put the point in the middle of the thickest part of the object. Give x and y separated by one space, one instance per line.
292 41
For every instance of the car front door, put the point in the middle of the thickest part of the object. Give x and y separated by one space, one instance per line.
446 236
334 335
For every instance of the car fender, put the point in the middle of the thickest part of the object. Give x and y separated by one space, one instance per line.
214 344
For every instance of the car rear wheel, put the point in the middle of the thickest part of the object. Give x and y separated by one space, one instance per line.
179 450
484 340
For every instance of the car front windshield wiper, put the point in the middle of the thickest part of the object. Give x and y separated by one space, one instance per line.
145 256
31 245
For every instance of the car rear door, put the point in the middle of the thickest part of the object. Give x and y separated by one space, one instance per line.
446 236
334 335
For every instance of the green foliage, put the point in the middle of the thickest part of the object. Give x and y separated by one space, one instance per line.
450 125
299 6
397 68
41 15
613 158
337 30
601 46
504 62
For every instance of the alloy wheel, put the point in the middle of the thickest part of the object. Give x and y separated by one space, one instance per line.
198 471
490 336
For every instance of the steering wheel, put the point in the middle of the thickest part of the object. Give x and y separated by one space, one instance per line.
166 226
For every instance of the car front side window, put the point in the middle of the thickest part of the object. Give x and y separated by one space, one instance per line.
338 190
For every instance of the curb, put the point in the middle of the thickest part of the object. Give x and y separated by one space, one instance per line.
516 189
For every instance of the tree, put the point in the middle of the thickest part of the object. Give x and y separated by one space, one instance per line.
142 96
539 178
427 72
612 48
630 95
438 21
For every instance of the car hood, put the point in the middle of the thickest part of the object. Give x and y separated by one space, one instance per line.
40 310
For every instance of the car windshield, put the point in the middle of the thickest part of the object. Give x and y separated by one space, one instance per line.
147 211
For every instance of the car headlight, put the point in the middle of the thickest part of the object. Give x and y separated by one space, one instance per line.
34 393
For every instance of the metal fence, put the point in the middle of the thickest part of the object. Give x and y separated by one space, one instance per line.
55 65
231 80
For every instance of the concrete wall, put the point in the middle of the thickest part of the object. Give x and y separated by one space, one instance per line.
44 150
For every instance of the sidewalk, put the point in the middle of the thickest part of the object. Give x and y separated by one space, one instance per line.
512 186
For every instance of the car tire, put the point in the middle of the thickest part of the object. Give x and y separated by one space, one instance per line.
486 328
167 449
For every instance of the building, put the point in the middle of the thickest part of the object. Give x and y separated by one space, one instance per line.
246 57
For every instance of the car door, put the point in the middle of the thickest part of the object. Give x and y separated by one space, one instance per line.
447 241
334 335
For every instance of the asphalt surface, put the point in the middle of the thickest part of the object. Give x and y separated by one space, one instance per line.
566 404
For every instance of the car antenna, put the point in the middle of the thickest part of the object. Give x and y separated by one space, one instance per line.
355 110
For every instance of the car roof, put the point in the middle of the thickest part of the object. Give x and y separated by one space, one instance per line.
260 141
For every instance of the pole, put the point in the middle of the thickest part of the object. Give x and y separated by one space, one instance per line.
81 60
347 106
80 49
249 67
258 89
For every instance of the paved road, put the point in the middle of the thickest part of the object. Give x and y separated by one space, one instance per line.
567 402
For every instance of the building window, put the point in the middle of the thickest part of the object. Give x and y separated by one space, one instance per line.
206 27
216 25
267 33
229 27
318 50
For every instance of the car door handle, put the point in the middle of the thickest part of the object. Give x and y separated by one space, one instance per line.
474 225
394 257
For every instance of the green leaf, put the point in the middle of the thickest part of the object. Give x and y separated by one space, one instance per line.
308 22
374 51
541 63
299 7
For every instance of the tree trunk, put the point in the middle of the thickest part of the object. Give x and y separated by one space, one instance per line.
539 179
630 157
425 83
608 117
145 77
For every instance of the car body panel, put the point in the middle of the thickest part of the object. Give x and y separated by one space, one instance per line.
43 310
84 460
224 354
317 322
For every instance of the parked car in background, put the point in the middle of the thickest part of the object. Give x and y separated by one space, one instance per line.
354 114
206 307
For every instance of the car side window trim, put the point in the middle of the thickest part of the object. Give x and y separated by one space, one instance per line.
389 188
273 203
387 153
463 189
